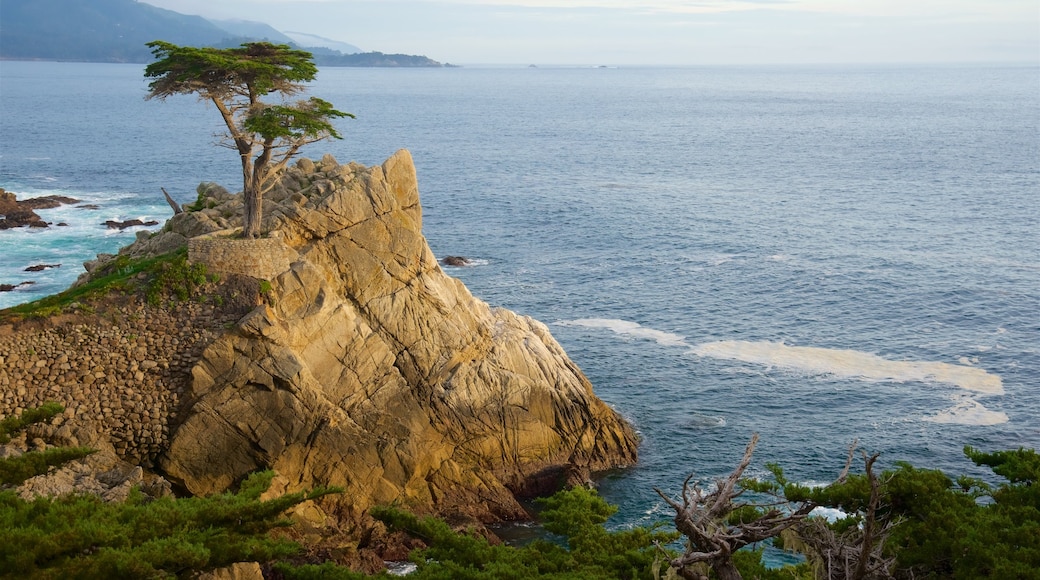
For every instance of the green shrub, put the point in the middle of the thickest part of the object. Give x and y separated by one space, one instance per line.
176 278
577 515
80 536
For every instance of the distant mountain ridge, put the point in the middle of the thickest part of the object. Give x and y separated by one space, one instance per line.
117 31
255 30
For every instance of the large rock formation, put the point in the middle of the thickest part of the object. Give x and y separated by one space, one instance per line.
371 369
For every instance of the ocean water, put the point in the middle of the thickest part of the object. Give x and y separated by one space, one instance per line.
816 254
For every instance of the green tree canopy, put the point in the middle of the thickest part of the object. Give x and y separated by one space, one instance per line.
265 135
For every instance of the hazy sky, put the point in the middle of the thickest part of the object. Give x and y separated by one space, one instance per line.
658 31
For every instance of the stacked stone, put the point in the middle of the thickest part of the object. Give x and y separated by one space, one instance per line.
129 374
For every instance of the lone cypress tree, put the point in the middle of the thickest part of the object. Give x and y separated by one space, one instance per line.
266 136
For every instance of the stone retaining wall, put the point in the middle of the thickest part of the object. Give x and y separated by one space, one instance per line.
262 258
129 374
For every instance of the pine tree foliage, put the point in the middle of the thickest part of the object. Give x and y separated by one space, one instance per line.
906 523
45 412
938 527
15 470
82 536
577 515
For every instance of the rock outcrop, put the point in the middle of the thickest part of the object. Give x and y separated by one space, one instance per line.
370 369
17 214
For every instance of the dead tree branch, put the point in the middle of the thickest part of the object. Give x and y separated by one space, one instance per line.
176 207
704 518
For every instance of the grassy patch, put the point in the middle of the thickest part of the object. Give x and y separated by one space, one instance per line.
169 274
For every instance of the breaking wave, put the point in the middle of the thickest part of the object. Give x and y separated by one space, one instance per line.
968 412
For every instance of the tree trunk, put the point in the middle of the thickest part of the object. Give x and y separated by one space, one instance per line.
725 570
252 211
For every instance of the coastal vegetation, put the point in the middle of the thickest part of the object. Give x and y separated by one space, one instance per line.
923 524
167 276
16 469
81 536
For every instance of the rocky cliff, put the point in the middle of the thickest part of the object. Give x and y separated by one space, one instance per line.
369 368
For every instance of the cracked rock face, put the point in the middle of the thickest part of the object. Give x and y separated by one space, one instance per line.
370 369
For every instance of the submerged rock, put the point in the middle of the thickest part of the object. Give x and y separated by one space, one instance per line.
122 225
371 369
11 287
456 261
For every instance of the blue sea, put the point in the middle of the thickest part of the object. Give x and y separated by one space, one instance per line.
819 254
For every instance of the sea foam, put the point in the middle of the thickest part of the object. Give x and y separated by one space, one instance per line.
969 412
833 362
852 364
630 329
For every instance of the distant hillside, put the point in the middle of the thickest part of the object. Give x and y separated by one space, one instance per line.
97 31
312 41
117 31
371 59
253 30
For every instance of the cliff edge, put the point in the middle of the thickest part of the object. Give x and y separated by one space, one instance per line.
367 367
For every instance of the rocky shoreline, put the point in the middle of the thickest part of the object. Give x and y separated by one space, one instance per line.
19 214
335 352
15 213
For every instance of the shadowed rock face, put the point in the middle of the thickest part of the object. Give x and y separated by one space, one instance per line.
371 369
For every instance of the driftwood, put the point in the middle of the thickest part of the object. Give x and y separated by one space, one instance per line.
712 534
858 553
176 207
703 518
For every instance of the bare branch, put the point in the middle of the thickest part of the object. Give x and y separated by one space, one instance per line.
848 462
176 207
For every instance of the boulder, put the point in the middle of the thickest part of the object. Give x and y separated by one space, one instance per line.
371 369
47 202
18 218
10 287
237 571
103 474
